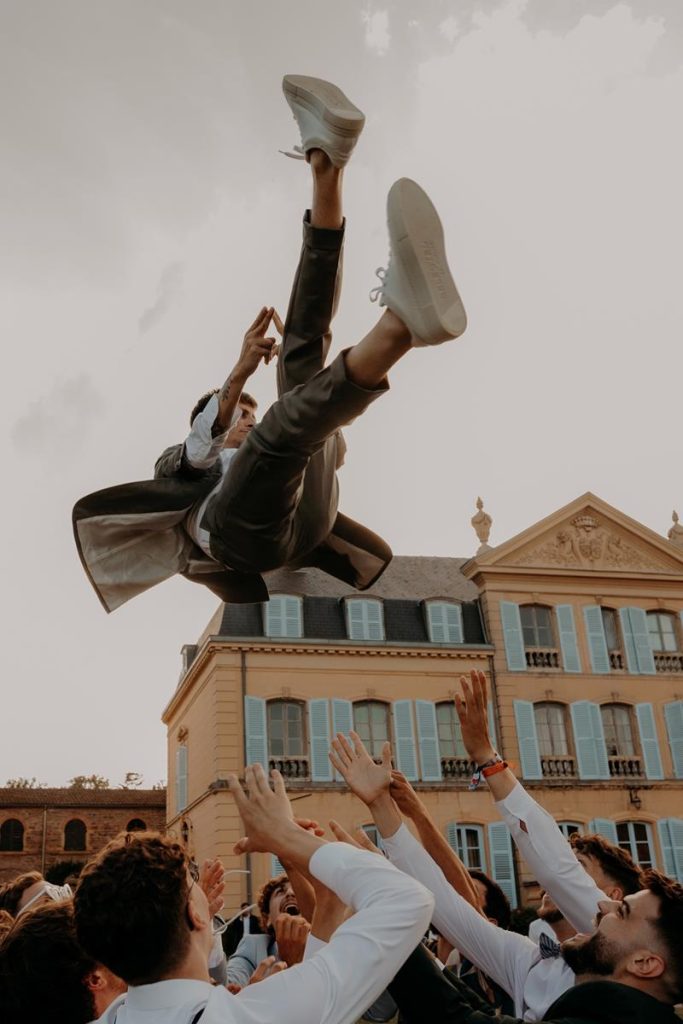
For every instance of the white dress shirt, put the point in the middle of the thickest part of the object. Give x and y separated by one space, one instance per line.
335 985
551 859
512 960
202 450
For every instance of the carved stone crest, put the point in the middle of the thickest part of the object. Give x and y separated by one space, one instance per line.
587 543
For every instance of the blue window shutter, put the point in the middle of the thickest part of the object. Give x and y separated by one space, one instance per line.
365 619
645 660
676 834
589 740
181 778
604 827
276 867
527 740
502 862
428 739
404 735
648 741
674 726
255 731
514 638
342 721
639 656
319 732
452 836
595 631
666 847
492 724
565 627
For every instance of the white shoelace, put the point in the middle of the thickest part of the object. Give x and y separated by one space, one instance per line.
295 153
378 291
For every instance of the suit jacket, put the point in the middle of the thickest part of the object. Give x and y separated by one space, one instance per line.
248 955
131 537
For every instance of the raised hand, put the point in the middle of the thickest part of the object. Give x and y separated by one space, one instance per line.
256 346
366 779
404 795
291 932
212 881
266 813
472 710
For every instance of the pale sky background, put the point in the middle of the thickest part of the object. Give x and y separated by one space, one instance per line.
146 216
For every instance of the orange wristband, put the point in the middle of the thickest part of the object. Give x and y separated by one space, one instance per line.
499 766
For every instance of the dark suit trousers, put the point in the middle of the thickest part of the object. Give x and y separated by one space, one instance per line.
279 500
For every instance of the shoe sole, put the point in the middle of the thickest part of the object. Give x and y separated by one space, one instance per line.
327 101
417 241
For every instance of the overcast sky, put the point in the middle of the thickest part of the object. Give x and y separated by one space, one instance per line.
146 216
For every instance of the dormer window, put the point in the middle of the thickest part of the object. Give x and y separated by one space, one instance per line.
364 619
283 617
444 622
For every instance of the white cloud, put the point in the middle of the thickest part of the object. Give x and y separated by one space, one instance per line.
377 36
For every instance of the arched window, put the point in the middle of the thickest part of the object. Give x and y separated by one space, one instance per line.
75 834
551 730
569 828
136 825
364 619
450 733
663 632
468 843
11 835
635 837
286 733
540 644
618 729
371 722
283 616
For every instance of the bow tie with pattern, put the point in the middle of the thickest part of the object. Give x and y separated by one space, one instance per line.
548 947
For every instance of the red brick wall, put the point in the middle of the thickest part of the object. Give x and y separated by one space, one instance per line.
102 824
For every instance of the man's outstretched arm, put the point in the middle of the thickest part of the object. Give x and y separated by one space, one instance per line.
432 839
534 831
255 347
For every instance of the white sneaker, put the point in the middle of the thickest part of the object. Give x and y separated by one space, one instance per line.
417 285
327 120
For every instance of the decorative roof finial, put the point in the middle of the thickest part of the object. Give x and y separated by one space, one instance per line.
482 521
675 534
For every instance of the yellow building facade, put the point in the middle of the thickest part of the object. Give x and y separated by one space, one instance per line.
578 622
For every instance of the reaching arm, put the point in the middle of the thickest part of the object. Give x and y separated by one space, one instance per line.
535 832
432 839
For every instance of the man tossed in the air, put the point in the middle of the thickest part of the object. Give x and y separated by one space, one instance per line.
238 498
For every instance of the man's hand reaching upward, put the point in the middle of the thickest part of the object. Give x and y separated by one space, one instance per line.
255 348
363 777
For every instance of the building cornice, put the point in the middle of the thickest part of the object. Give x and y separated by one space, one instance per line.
217 644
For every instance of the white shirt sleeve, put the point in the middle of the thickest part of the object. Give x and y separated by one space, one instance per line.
551 859
336 986
505 956
201 449
313 945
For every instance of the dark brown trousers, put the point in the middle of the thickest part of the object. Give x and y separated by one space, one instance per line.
278 502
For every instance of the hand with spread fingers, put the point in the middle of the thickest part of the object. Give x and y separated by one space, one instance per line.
472 710
369 781
256 346
212 881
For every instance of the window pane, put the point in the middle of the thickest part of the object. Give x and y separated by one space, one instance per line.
609 623
361 714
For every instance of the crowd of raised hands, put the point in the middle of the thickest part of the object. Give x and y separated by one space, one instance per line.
342 935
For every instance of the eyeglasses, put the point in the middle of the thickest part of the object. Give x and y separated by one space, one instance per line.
52 892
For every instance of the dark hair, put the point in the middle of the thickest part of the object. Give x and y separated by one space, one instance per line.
497 904
264 896
617 864
11 892
43 969
669 925
244 399
131 906
6 922
243 905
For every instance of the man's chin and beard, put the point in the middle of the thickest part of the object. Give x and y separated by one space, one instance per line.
594 955
549 913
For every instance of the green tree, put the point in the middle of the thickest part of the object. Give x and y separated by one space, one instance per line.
88 782
22 783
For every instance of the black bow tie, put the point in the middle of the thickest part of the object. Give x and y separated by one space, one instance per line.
548 947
